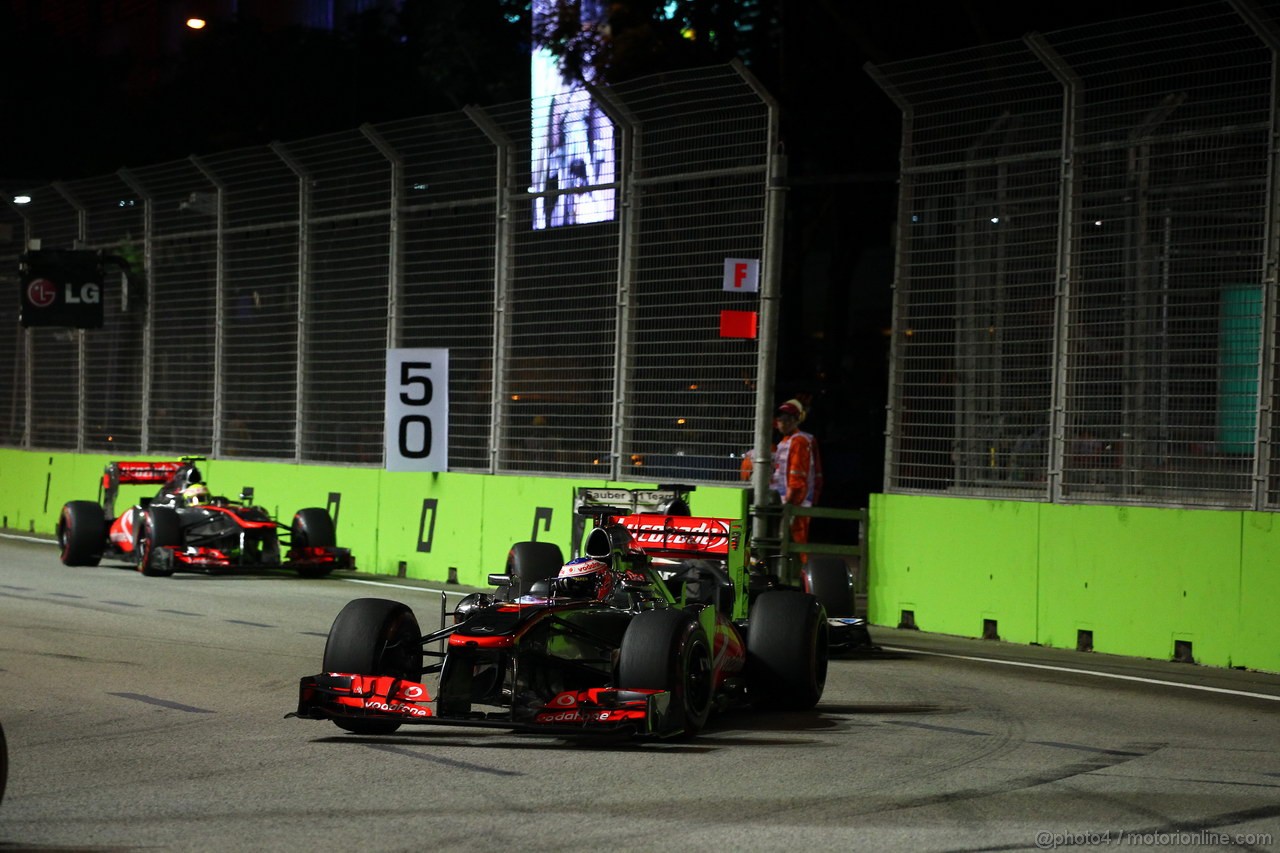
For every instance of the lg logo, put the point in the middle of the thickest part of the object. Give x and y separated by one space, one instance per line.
42 293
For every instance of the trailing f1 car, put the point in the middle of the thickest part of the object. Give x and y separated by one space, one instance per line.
825 577
185 527
599 646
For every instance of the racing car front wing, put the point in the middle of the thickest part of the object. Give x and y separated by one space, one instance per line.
603 711
206 558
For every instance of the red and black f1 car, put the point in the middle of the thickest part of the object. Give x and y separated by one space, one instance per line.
184 527
651 658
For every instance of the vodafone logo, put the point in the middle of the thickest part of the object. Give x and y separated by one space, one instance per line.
41 292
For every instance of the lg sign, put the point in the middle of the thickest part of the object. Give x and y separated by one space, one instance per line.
42 293
62 287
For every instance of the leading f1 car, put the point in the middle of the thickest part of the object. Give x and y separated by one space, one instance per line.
654 629
185 527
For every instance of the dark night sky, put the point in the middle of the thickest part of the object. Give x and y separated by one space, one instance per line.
86 100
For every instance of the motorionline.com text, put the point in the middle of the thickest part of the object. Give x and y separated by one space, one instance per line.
1176 838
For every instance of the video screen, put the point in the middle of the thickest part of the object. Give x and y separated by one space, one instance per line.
572 159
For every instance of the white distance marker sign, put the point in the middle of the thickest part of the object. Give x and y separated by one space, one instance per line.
417 437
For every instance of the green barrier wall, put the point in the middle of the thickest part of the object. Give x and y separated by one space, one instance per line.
1139 579
430 523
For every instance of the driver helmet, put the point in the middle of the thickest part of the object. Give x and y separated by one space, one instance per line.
584 577
195 494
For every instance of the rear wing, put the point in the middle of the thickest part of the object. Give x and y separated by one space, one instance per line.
118 474
127 473
658 522
667 498
682 536
689 538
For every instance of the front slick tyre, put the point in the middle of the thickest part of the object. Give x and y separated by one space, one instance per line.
668 650
786 651
374 636
160 528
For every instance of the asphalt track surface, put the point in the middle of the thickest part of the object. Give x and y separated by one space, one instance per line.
148 714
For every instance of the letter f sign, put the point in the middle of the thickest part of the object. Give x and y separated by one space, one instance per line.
742 275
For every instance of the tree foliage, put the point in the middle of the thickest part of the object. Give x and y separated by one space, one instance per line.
640 37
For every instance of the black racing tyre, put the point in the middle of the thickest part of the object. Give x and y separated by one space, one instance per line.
374 636
158 527
313 528
82 533
668 650
530 562
786 650
829 580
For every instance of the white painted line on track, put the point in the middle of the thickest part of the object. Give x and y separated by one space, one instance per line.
1113 675
405 586
348 580
28 538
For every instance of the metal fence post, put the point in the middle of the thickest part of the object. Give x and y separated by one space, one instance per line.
219 301
897 311
304 274
81 404
629 231
770 301
395 283
1062 297
148 226
504 168
1269 33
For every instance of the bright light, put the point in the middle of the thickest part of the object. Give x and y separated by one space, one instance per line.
197 23
22 199
995 220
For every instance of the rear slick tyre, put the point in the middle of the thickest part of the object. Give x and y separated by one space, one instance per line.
374 636
829 580
530 562
82 533
313 528
786 651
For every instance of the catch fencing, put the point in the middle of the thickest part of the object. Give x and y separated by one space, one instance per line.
276 277
1085 304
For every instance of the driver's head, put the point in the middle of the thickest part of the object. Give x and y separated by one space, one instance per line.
195 495
584 577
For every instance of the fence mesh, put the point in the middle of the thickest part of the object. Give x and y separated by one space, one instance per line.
582 319
1086 264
